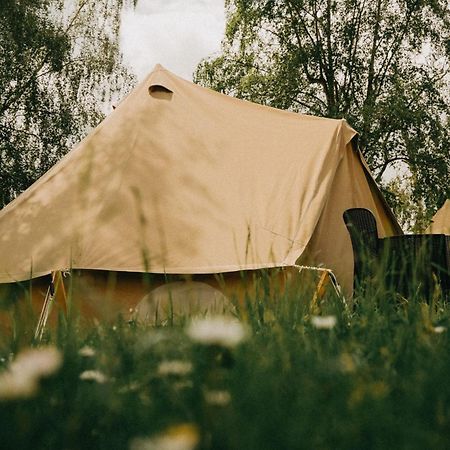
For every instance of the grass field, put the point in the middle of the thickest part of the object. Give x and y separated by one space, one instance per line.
283 375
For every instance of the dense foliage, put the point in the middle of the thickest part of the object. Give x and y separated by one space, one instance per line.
382 65
59 67
371 376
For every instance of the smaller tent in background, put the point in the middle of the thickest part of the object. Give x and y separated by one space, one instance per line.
440 223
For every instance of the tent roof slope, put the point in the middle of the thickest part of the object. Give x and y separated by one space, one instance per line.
178 179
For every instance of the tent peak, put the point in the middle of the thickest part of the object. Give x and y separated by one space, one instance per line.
160 78
158 67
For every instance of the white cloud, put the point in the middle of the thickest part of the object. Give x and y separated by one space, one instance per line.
174 33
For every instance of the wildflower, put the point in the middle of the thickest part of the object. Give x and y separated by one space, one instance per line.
439 329
17 386
37 363
217 398
21 379
175 368
323 322
94 375
179 437
220 330
86 351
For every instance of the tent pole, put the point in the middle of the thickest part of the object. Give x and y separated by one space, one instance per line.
55 284
327 275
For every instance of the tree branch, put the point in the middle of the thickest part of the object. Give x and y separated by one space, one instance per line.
371 72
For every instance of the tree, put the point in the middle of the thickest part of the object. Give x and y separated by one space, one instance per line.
59 67
383 65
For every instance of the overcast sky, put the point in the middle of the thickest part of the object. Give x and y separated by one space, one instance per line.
174 33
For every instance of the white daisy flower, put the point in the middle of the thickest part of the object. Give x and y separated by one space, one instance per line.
217 398
86 351
323 322
94 375
175 367
439 329
220 330
21 378
37 363
17 386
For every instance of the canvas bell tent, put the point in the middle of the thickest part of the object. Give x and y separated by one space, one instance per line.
180 179
440 223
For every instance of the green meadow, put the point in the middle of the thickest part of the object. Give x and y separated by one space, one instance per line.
284 373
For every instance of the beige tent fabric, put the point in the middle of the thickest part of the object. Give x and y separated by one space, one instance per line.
330 245
440 223
181 179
